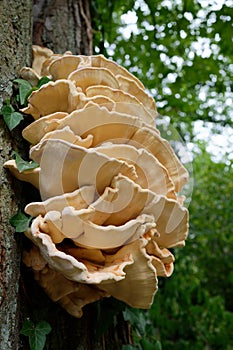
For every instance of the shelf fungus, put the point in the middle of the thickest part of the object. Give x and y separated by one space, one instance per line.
109 184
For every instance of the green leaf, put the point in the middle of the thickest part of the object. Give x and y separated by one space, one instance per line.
29 94
158 345
7 109
42 81
11 118
20 221
147 345
137 319
36 333
43 327
7 101
22 164
24 88
28 328
129 347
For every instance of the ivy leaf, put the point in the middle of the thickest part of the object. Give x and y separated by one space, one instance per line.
14 119
22 164
158 345
147 345
11 118
28 328
36 333
24 88
20 221
136 318
7 109
29 94
42 81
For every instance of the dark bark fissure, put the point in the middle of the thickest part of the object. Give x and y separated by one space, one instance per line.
63 25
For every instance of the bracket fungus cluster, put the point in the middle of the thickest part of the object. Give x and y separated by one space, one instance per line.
110 207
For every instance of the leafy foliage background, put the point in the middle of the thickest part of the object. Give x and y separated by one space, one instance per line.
182 51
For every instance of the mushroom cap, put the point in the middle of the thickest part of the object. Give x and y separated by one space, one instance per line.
140 285
88 76
162 259
58 96
115 218
116 95
72 268
162 150
66 134
30 75
170 217
103 124
104 277
70 294
40 55
117 127
63 66
93 168
31 176
71 224
124 102
46 64
151 173
171 222
36 130
78 199
130 86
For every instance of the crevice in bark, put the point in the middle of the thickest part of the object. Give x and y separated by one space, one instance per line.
63 26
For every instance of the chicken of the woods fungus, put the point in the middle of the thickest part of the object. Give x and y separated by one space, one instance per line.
109 184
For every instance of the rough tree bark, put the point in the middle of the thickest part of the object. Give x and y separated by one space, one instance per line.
63 25
59 25
15 48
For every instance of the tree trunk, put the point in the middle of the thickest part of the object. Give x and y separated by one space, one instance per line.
61 26
15 49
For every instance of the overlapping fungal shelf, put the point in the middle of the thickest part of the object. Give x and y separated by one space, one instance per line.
109 184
